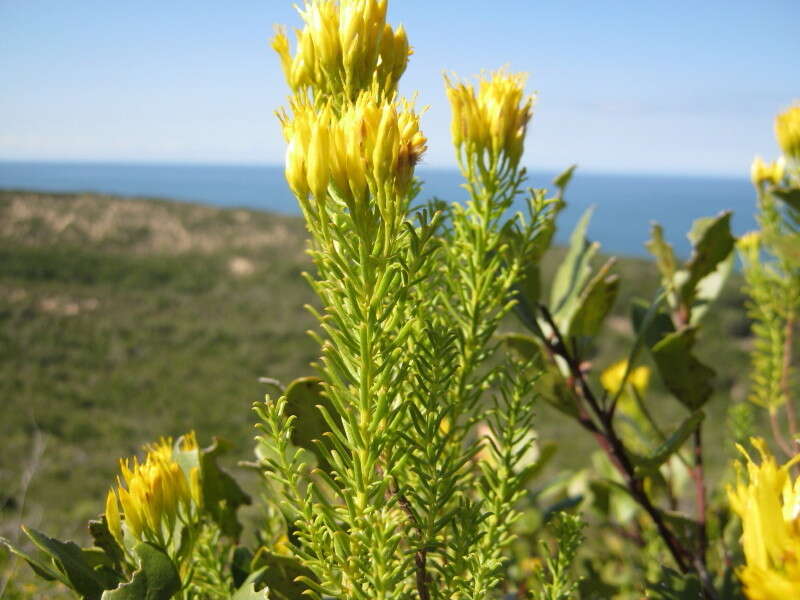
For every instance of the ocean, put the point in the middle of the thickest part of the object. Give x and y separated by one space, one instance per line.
625 205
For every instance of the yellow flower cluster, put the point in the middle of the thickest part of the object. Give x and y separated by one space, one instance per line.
153 494
373 146
749 242
344 47
768 503
762 172
611 378
787 130
493 118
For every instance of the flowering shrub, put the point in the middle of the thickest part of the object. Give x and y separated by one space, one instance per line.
410 467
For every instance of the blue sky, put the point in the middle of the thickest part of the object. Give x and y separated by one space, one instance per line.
659 87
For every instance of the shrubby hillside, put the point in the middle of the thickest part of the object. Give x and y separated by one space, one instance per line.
125 319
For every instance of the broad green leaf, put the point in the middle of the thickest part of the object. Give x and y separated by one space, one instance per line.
671 445
222 495
562 505
241 565
683 526
685 377
595 303
664 254
42 569
68 558
155 579
103 539
710 287
248 590
546 454
283 574
524 347
712 243
528 288
303 396
649 323
675 586
106 571
555 392
790 196
574 270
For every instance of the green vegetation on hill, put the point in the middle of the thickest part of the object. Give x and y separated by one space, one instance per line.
122 320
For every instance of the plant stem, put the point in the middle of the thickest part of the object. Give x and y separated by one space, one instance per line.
786 376
700 496
777 434
614 447
421 556
607 436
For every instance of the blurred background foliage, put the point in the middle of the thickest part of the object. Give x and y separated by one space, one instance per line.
124 319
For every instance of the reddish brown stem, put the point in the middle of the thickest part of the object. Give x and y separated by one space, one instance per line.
421 556
700 496
615 449
778 435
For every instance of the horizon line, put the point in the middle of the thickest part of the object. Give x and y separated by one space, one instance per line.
421 167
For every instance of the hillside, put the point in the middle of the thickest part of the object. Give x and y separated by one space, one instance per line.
122 320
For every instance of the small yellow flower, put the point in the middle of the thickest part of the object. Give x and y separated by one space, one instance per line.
762 172
611 378
493 118
152 494
374 145
343 49
195 486
113 517
787 130
749 242
768 503
188 442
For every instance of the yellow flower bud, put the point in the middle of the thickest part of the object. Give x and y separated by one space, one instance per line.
493 118
280 43
195 486
343 49
611 378
749 242
787 130
385 149
112 517
153 492
771 173
768 503
402 51
298 134
130 508
189 442
296 168
319 158
373 144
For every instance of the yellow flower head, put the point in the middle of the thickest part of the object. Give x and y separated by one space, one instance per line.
152 494
762 172
787 130
492 118
768 503
373 146
344 48
749 242
611 378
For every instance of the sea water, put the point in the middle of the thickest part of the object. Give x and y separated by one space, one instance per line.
624 205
